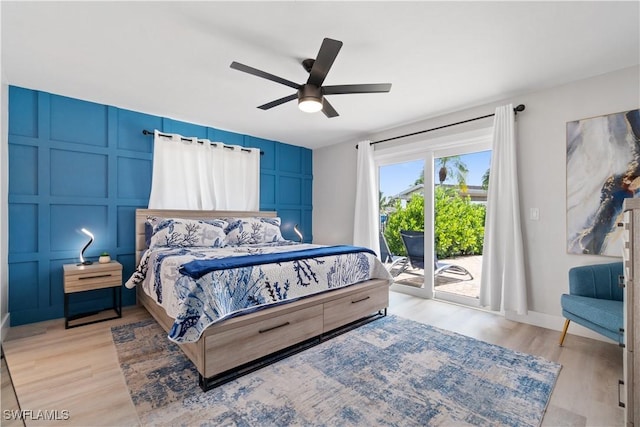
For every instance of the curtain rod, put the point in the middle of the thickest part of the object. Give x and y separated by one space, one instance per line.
515 110
148 132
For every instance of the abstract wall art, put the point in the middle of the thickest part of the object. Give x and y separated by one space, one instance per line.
603 168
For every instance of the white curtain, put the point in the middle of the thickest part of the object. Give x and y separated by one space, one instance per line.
366 218
503 285
188 174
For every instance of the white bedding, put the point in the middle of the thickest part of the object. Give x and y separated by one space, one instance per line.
198 303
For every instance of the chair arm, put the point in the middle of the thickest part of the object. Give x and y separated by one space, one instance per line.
599 281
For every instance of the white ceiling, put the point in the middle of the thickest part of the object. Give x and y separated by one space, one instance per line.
172 58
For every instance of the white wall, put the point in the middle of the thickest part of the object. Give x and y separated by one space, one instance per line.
4 203
334 192
542 171
4 216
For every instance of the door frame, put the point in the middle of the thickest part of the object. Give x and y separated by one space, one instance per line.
427 150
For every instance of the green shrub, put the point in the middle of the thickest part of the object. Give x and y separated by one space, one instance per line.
409 218
459 224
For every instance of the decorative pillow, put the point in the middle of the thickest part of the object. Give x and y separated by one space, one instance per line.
252 230
182 233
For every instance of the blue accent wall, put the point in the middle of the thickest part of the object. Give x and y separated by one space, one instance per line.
75 164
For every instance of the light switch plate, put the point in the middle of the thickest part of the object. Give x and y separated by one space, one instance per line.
534 214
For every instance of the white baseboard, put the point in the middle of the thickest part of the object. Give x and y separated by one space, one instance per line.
555 323
543 320
4 328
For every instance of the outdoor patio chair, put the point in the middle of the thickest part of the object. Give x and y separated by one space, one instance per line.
395 264
414 244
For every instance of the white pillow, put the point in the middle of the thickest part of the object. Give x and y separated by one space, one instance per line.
182 233
252 230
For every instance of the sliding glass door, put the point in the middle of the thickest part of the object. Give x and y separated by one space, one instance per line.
460 189
402 220
405 228
432 215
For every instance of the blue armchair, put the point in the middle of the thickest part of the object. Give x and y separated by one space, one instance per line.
595 299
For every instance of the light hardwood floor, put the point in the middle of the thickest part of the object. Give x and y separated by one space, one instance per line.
77 369
9 400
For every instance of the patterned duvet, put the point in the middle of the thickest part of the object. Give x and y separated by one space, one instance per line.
196 303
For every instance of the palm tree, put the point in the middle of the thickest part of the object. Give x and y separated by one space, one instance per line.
485 179
383 201
452 166
385 204
420 179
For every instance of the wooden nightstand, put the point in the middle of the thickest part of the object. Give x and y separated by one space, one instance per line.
80 278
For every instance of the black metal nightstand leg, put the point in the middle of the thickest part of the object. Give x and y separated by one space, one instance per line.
66 311
118 307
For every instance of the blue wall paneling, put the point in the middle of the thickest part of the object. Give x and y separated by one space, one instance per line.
75 164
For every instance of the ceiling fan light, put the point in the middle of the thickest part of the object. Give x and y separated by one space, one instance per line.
310 105
310 98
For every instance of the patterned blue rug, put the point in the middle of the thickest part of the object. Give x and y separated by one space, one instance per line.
391 372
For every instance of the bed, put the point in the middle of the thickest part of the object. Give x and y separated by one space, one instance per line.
225 346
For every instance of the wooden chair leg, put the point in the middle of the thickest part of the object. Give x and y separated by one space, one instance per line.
564 331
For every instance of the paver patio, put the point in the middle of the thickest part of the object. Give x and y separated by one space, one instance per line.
447 282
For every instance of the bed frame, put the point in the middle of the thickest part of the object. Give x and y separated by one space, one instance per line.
237 346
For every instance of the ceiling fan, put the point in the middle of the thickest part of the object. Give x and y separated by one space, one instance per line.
311 95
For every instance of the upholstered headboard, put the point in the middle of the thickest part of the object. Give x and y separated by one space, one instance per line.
142 214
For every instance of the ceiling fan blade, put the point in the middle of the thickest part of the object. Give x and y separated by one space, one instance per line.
245 68
328 109
326 55
365 88
278 102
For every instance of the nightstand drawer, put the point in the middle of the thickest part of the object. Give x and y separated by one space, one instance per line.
88 282
79 278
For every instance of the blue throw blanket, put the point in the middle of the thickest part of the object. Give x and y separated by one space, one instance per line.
198 268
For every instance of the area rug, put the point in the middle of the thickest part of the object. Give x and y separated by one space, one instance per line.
391 372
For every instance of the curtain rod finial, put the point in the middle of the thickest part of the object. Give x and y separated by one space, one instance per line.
519 108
